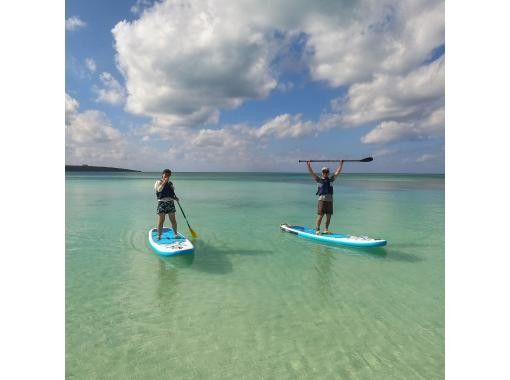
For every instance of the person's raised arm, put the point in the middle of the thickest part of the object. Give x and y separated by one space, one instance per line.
339 169
312 174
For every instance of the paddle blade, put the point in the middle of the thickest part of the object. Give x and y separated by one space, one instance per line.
368 159
193 232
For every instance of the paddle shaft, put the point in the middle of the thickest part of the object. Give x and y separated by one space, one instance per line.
363 160
184 215
328 160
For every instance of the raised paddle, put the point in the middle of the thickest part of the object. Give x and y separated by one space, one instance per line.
368 159
193 233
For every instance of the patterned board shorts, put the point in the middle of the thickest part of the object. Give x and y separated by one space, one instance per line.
324 207
165 207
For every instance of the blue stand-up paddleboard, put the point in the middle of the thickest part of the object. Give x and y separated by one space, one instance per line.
333 238
168 245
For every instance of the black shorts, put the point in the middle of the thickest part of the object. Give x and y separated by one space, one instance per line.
324 207
165 207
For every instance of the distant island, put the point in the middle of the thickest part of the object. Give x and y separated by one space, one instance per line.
87 168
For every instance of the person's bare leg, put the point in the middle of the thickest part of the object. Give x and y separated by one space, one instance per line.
161 220
318 222
328 218
171 215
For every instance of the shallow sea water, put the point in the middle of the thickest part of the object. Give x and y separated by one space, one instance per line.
253 302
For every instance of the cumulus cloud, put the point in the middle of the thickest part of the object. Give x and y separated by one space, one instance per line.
184 61
405 108
383 37
389 131
409 107
71 107
239 135
91 139
434 122
90 127
395 97
231 147
112 91
220 139
90 136
392 131
75 23
90 64
285 126
140 5
426 157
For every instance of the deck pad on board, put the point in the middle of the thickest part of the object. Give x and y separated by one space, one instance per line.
169 245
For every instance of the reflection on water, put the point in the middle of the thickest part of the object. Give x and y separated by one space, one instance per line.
327 248
324 270
167 284
179 261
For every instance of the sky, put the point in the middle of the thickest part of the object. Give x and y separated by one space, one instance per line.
251 85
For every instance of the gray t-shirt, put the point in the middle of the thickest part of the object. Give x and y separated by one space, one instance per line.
325 197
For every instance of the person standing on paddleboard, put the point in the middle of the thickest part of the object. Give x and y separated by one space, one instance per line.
166 195
325 193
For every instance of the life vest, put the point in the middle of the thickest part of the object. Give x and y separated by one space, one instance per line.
166 192
325 187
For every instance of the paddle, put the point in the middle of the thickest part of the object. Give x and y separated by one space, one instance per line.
367 159
193 233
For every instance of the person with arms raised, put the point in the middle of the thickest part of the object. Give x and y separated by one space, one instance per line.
325 193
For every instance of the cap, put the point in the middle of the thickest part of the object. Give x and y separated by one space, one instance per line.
325 169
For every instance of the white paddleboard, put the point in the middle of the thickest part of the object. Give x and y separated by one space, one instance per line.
334 238
169 245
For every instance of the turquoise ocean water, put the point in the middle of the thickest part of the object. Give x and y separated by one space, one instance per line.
253 302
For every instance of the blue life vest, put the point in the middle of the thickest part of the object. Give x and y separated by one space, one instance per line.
167 191
325 187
